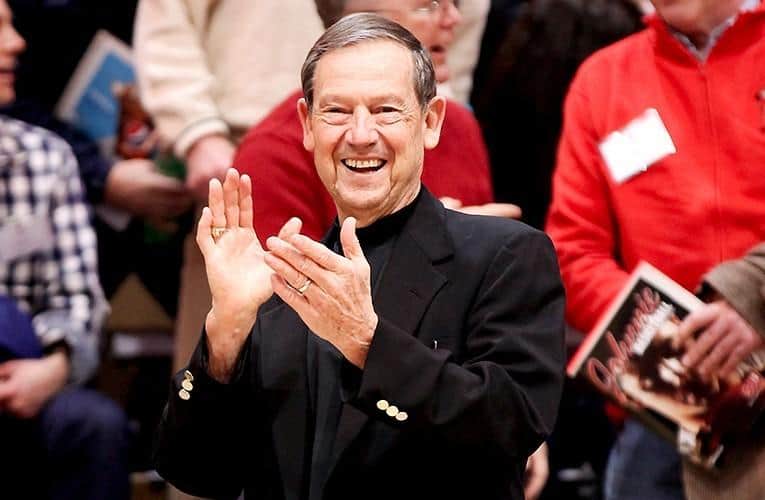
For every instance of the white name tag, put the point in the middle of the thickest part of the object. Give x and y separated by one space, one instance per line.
631 150
25 235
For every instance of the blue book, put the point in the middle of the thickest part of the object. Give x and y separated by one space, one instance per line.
88 102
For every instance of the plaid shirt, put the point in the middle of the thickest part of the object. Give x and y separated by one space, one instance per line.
48 258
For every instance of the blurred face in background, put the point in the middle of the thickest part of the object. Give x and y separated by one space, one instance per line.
696 18
432 22
11 45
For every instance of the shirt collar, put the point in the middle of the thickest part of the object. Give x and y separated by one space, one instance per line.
702 53
382 229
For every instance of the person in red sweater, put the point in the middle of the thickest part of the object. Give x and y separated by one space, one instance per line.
284 179
662 159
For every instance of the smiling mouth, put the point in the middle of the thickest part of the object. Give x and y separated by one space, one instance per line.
363 166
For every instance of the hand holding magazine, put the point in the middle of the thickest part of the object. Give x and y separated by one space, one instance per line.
633 356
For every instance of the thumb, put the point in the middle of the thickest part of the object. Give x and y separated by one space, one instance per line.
349 241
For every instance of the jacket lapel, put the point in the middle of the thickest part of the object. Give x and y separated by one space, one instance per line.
408 285
285 379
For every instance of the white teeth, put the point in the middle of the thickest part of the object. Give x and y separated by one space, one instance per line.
363 163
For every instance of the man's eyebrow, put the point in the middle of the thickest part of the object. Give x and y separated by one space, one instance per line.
338 99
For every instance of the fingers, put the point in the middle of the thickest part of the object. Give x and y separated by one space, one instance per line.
216 203
231 198
245 202
449 202
204 231
695 321
293 266
707 340
735 357
291 227
299 303
7 391
720 352
507 210
318 253
349 241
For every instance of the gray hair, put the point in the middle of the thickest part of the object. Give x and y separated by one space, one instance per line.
364 27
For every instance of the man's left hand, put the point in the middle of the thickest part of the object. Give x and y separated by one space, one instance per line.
725 339
27 384
337 303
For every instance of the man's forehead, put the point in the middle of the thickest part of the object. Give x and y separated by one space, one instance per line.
373 59
369 72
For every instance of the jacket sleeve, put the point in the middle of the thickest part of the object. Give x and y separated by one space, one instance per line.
742 283
580 220
195 438
504 397
175 81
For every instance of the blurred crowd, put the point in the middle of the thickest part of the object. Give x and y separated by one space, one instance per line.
536 91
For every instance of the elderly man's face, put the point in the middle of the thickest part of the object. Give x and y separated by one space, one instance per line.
11 45
696 18
433 26
367 130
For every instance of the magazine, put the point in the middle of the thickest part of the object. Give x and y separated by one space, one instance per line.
632 356
88 101
101 100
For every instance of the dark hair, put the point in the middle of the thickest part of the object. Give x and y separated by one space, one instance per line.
519 100
359 28
330 11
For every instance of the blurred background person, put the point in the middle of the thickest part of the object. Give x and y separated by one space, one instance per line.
60 440
661 160
58 35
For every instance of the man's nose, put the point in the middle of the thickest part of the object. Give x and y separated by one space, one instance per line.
363 129
451 14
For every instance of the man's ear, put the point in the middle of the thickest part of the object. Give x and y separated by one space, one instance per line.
305 121
434 119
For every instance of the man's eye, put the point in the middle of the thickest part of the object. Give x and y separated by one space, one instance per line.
387 109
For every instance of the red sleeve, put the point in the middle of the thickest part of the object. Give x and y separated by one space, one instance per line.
284 183
581 218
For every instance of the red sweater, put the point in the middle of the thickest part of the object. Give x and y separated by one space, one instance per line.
686 212
285 183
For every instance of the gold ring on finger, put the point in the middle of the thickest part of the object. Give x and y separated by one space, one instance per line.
304 287
218 231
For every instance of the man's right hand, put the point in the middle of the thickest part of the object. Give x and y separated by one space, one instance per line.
137 187
208 158
239 279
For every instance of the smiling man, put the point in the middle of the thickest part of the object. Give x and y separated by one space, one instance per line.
415 351
284 180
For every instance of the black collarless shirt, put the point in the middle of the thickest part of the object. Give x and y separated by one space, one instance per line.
325 363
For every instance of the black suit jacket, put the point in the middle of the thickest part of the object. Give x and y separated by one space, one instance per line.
469 345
